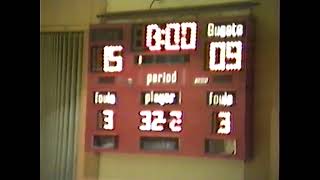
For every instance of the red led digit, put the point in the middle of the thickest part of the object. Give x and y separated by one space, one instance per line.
146 120
193 35
108 119
109 57
175 124
219 52
176 28
234 51
153 32
225 123
157 122
217 56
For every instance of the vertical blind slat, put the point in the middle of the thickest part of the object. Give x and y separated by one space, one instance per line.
61 58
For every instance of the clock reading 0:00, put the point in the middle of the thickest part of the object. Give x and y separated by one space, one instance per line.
174 36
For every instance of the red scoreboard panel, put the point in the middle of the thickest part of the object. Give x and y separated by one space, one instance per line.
171 88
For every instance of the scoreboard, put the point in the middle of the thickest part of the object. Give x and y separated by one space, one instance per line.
181 88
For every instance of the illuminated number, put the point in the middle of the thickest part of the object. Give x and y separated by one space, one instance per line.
220 51
176 121
146 120
176 38
233 51
225 126
193 35
109 58
217 63
108 119
156 36
156 123
154 39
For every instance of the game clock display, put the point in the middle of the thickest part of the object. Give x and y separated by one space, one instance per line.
179 88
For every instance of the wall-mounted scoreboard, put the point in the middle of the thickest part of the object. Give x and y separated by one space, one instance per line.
171 88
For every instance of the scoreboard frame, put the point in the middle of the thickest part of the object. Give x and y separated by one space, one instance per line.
131 82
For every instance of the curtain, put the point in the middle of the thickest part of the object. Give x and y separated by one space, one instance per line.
61 57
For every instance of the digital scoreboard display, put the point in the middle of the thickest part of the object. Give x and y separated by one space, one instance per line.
173 88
